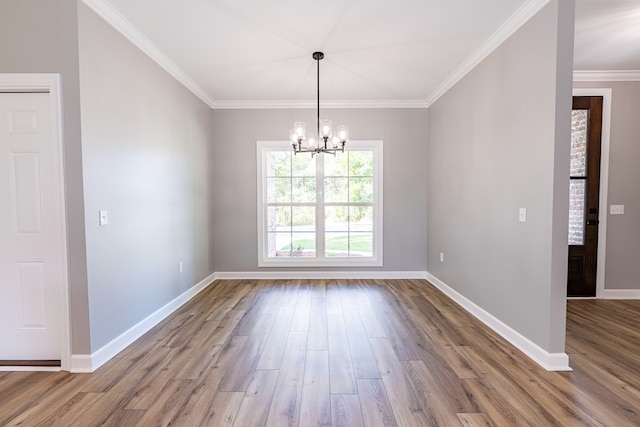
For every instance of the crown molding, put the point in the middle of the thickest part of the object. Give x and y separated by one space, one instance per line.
129 31
606 76
517 20
401 103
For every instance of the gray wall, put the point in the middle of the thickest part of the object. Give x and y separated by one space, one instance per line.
404 132
42 37
146 155
623 232
497 142
148 159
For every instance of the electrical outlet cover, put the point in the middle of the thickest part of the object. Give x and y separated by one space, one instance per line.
616 209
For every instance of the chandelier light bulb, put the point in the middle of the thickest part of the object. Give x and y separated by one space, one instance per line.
300 129
325 128
343 133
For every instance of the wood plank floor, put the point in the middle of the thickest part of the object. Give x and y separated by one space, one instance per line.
341 353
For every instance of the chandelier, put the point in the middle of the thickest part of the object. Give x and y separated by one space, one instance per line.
324 141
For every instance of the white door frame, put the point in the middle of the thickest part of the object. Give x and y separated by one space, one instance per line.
603 214
51 83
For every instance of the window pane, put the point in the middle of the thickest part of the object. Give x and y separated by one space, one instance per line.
303 244
360 163
336 218
279 244
361 218
304 190
303 165
577 197
336 244
279 190
361 190
348 244
336 190
336 165
360 244
303 218
271 244
579 122
278 163
279 218
291 244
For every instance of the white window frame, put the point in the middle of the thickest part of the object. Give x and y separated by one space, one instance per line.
320 260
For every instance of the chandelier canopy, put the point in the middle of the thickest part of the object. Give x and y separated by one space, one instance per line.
325 140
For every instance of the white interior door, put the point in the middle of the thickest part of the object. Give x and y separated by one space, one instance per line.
31 231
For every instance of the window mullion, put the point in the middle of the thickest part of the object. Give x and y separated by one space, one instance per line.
348 206
290 204
320 228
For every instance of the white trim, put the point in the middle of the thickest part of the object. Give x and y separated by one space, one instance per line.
81 364
605 144
51 83
506 30
267 275
378 103
89 363
30 368
549 361
606 76
320 261
131 33
621 294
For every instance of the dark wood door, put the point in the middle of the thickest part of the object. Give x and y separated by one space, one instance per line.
586 132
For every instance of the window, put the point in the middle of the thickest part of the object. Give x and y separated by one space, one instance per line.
320 211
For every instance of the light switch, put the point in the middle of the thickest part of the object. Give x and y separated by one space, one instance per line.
103 218
616 209
522 215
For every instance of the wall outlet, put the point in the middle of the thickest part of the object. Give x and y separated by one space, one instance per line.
522 215
616 209
103 218
180 267
441 256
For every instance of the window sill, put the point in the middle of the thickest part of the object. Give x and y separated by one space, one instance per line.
300 262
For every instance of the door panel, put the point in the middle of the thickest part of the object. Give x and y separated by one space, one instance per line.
25 185
584 197
31 274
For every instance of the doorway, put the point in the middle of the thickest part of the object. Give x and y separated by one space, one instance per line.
584 198
34 321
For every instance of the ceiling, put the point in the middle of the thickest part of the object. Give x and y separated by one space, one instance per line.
237 54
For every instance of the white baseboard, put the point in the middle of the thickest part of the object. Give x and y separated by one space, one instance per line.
30 368
90 362
549 361
621 294
85 363
81 363
264 275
